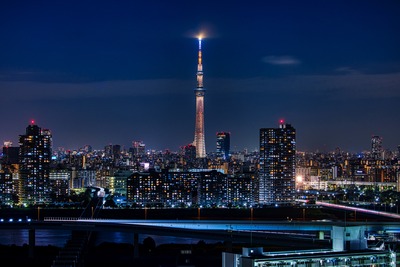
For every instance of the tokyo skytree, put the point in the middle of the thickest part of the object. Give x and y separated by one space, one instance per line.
199 136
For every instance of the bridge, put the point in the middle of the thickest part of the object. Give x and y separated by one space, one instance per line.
287 233
266 232
216 229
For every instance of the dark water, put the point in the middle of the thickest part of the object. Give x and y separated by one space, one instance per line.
43 237
58 238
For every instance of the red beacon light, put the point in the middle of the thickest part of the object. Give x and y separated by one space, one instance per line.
32 122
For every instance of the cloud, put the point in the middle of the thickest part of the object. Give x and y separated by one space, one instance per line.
28 90
281 60
347 70
353 85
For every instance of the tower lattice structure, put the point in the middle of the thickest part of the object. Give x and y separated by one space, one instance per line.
199 135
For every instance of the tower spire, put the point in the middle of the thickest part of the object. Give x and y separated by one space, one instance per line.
199 68
199 136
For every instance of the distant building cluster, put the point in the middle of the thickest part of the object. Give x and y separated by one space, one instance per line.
35 174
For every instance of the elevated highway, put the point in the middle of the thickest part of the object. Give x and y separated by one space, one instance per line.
285 232
206 229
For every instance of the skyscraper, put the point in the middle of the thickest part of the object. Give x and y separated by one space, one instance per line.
10 153
138 148
376 147
199 136
277 164
34 160
223 145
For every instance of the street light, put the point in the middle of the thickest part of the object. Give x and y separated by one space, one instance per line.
299 181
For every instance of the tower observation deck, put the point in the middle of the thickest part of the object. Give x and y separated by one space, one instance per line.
199 136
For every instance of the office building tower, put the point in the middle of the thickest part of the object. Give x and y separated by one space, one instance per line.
116 151
117 182
189 153
10 153
277 165
6 186
138 148
199 135
108 151
34 159
145 189
376 147
223 145
241 190
212 189
59 180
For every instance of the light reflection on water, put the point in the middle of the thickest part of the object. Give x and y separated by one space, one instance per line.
42 237
58 238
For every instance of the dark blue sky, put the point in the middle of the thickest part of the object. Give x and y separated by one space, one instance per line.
110 72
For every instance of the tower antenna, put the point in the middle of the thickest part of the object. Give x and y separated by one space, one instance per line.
199 136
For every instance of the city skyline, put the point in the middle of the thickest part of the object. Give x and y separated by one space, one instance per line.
102 73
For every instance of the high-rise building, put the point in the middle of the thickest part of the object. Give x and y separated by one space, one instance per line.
277 165
376 147
10 153
199 136
116 151
59 180
223 145
189 153
138 148
6 186
34 159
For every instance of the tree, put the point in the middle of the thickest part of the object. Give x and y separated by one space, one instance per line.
149 244
110 202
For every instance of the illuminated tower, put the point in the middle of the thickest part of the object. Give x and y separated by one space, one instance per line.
223 145
376 147
138 148
34 158
199 138
277 164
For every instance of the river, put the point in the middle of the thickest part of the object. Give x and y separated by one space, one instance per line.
58 238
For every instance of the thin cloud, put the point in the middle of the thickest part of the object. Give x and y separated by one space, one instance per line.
352 85
39 90
281 60
347 70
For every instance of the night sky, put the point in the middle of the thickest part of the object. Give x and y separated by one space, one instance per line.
111 72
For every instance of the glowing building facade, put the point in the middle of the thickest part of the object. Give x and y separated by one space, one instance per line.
376 147
199 136
277 165
34 159
223 145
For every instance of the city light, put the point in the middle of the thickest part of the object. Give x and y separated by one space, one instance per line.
201 36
